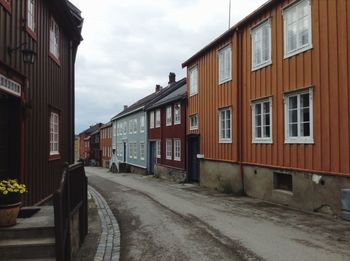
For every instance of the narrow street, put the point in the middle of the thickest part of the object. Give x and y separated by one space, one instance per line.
160 220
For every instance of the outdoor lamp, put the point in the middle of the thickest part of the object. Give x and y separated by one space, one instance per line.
28 54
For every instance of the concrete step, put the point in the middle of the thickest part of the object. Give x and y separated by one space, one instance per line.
18 232
32 248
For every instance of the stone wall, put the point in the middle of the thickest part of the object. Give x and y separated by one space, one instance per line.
168 173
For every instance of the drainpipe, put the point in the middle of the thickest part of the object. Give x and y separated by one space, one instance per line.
239 106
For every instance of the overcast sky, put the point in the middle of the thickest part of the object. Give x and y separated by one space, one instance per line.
130 46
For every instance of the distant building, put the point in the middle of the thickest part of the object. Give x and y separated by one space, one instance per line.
76 148
83 135
106 144
95 153
38 43
167 133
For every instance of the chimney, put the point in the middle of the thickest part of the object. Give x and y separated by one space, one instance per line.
172 78
125 107
158 88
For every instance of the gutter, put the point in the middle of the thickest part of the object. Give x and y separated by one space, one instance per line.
127 113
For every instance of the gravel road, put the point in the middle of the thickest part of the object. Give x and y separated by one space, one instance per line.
160 220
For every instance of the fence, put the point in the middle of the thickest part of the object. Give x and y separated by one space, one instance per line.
70 199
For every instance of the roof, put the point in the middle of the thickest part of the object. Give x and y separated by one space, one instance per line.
231 31
177 94
141 104
91 129
109 124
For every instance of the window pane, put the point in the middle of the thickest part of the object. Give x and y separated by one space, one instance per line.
258 132
228 134
304 100
267 119
258 120
293 129
293 102
266 107
305 129
266 131
305 115
293 116
258 109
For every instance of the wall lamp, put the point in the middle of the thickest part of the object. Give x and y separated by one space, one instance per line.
28 54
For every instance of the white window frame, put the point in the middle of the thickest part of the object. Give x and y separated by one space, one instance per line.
142 124
31 14
151 120
225 139
130 151
157 118
125 127
131 127
54 43
256 32
169 116
135 126
299 48
177 113
158 149
142 150
298 139
225 60
135 150
177 149
262 139
54 133
193 127
168 149
193 75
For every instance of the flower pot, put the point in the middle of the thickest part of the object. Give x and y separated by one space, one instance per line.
8 214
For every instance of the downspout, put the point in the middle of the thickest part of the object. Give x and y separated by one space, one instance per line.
239 107
72 103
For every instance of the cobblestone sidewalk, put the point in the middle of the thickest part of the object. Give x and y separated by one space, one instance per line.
109 245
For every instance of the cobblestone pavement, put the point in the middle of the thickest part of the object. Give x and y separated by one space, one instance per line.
109 245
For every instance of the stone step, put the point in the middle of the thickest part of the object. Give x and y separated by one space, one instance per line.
13 249
18 232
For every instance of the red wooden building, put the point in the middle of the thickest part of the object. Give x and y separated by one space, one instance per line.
106 144
167 133
83 135
38 46
269 105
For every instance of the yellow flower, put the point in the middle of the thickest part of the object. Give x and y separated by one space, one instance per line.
5 192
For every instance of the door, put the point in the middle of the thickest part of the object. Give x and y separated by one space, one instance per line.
152 156
9 136
124 150
193 161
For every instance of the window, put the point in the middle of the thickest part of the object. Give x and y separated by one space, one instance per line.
225 125
131 127
135 125
177 114
54 40
177 149
151 120
142 123
168 149
135 150
158 149
125 127
131 147
168 116
54 134
31 19
261 45
194 122
297 28
298 117
283 181
225 64
142 150
6 4
194 80
262 121
157 118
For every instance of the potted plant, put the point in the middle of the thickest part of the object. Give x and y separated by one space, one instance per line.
10 201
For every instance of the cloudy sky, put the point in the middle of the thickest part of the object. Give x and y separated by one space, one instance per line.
130 46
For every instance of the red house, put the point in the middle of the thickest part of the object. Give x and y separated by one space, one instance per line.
167 133
83 135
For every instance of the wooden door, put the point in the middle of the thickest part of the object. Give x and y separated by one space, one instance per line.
193 161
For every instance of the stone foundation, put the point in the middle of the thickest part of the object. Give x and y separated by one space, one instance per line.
138 170
168 173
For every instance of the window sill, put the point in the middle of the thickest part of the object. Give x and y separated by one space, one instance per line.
261 66
193 94
299 141
177 123
168 158
225 81
298 51
262 141
6 5
168 125
177 159
56 60
54 157
225 141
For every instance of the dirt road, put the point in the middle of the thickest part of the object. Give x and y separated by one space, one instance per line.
160 220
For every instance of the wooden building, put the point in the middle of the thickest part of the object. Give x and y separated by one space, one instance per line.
269 102
106 144
83 135
167 133
95 152
38 46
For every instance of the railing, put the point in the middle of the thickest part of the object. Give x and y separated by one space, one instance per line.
70 198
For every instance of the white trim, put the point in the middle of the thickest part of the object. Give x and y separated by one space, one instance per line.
194 67
157 123
177 122
222 50
169 117
225 140
10 86
195 127
175 157
302 48
255 30
262 140
298 139
158 149
151 120
142 124
168 149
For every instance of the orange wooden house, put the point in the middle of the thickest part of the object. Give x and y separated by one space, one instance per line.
106 144
269 106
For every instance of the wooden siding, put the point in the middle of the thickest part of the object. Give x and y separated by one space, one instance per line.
46 86
325 67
